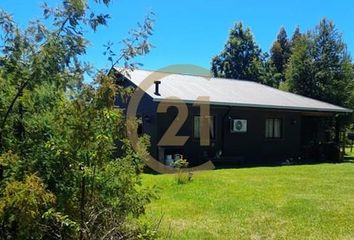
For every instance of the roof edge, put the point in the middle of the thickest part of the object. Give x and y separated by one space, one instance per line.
340 109
343 110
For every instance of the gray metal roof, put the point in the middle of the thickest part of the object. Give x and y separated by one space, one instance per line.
227 92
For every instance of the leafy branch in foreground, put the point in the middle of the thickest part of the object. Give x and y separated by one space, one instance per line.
67 170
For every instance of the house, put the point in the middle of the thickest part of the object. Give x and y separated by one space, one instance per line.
227 120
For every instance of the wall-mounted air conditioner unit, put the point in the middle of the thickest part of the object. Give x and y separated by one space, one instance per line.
238 125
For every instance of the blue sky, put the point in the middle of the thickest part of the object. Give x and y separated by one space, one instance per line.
193 31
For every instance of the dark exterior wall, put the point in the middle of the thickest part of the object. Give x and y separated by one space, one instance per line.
254 146
317 129
146 111
250 146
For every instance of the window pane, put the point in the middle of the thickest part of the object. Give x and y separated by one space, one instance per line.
277 128
196 127
269 128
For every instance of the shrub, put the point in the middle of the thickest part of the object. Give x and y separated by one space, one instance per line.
182 175
67 169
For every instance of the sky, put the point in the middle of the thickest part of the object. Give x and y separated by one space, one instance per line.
193 31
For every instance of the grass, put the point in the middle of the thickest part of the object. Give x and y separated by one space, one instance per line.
348 153
290 202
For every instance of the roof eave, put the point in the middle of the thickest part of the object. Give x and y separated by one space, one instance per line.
277 107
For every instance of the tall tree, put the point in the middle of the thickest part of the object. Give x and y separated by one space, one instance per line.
320 66
279 55
241 57
268 73
296 35
332 63
300 70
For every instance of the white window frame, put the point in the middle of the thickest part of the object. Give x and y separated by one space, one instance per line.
273 128
196 127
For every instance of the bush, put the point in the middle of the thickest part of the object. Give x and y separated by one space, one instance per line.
182 175
67 169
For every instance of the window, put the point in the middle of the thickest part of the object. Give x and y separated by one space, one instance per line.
273 127
210 121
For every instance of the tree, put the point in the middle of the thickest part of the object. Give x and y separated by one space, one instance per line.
295 36
320 66
67 169
241 57
268 73
279 55
300 70
333 71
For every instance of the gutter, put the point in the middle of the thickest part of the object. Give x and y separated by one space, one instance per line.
341 110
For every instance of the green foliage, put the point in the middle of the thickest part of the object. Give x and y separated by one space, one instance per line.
284 86
269 75
296 35
320 66
180 163
67 170
182 176
280 53
22 205
299 73
241 57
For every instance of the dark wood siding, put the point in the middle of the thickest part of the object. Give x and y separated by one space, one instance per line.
250 146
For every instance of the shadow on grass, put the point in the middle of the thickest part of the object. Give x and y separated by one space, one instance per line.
348 159
218 165
255 165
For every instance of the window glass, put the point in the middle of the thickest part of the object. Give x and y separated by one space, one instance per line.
268 128
273 128
196 130
276 128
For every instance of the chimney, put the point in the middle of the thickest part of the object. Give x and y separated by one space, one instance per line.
157 83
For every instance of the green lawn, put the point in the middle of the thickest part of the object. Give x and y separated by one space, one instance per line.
292 202
348 153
